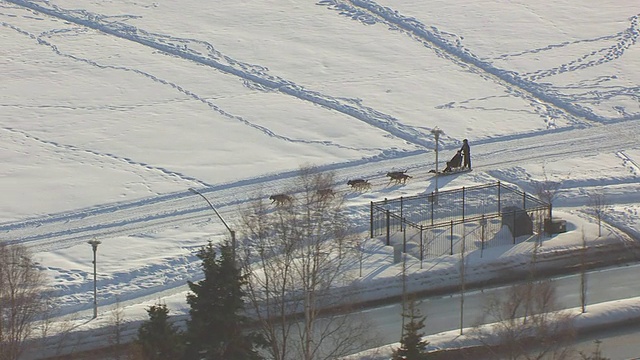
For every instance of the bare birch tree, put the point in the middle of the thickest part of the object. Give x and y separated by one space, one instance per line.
583 274
543 333
117 324
598 205
296 254
547 189
23 295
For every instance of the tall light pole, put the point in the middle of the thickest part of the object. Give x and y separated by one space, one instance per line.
437 132
233 233
94 245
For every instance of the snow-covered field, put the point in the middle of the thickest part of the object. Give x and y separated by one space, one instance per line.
111 110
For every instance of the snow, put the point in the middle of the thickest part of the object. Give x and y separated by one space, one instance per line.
112 110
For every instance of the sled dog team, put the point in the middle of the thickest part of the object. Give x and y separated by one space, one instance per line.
285 199
460 161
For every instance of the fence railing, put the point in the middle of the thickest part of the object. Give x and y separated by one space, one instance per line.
435 223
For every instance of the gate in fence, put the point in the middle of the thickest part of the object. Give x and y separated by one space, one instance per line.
477 217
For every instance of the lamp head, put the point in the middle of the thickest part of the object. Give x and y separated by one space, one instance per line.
94 243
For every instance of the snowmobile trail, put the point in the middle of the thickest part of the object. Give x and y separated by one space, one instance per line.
59 231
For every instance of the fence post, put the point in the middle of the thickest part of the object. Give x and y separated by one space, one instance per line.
463 196
524 201
421 247
404 238
513 229
433 200
371 220
451 236
388 227
499 208
401 217
483 223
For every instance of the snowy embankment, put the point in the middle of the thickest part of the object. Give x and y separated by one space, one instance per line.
598 317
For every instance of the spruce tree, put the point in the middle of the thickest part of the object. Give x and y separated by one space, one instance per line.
412 347
215 327
157 338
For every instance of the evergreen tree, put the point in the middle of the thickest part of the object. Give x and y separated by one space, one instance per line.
215 328
412 347
157 338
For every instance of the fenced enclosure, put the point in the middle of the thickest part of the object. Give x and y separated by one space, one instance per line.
477 217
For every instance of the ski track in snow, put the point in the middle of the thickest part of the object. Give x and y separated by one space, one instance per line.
58 231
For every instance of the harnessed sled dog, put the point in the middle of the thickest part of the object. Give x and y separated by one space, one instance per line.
326 193
359 184
281 199
398 177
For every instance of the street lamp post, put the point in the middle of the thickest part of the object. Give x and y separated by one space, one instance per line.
233 233
437 132
94 245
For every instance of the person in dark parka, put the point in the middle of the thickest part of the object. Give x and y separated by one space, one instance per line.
466 152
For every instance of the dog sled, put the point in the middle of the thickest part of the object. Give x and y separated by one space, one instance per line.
454 166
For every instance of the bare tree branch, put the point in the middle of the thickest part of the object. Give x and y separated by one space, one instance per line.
23 296
543 333
598 205
296 255
546 189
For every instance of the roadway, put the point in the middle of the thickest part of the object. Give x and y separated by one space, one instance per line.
619 343
443 312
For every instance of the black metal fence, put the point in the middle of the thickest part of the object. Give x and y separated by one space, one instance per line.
476 217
